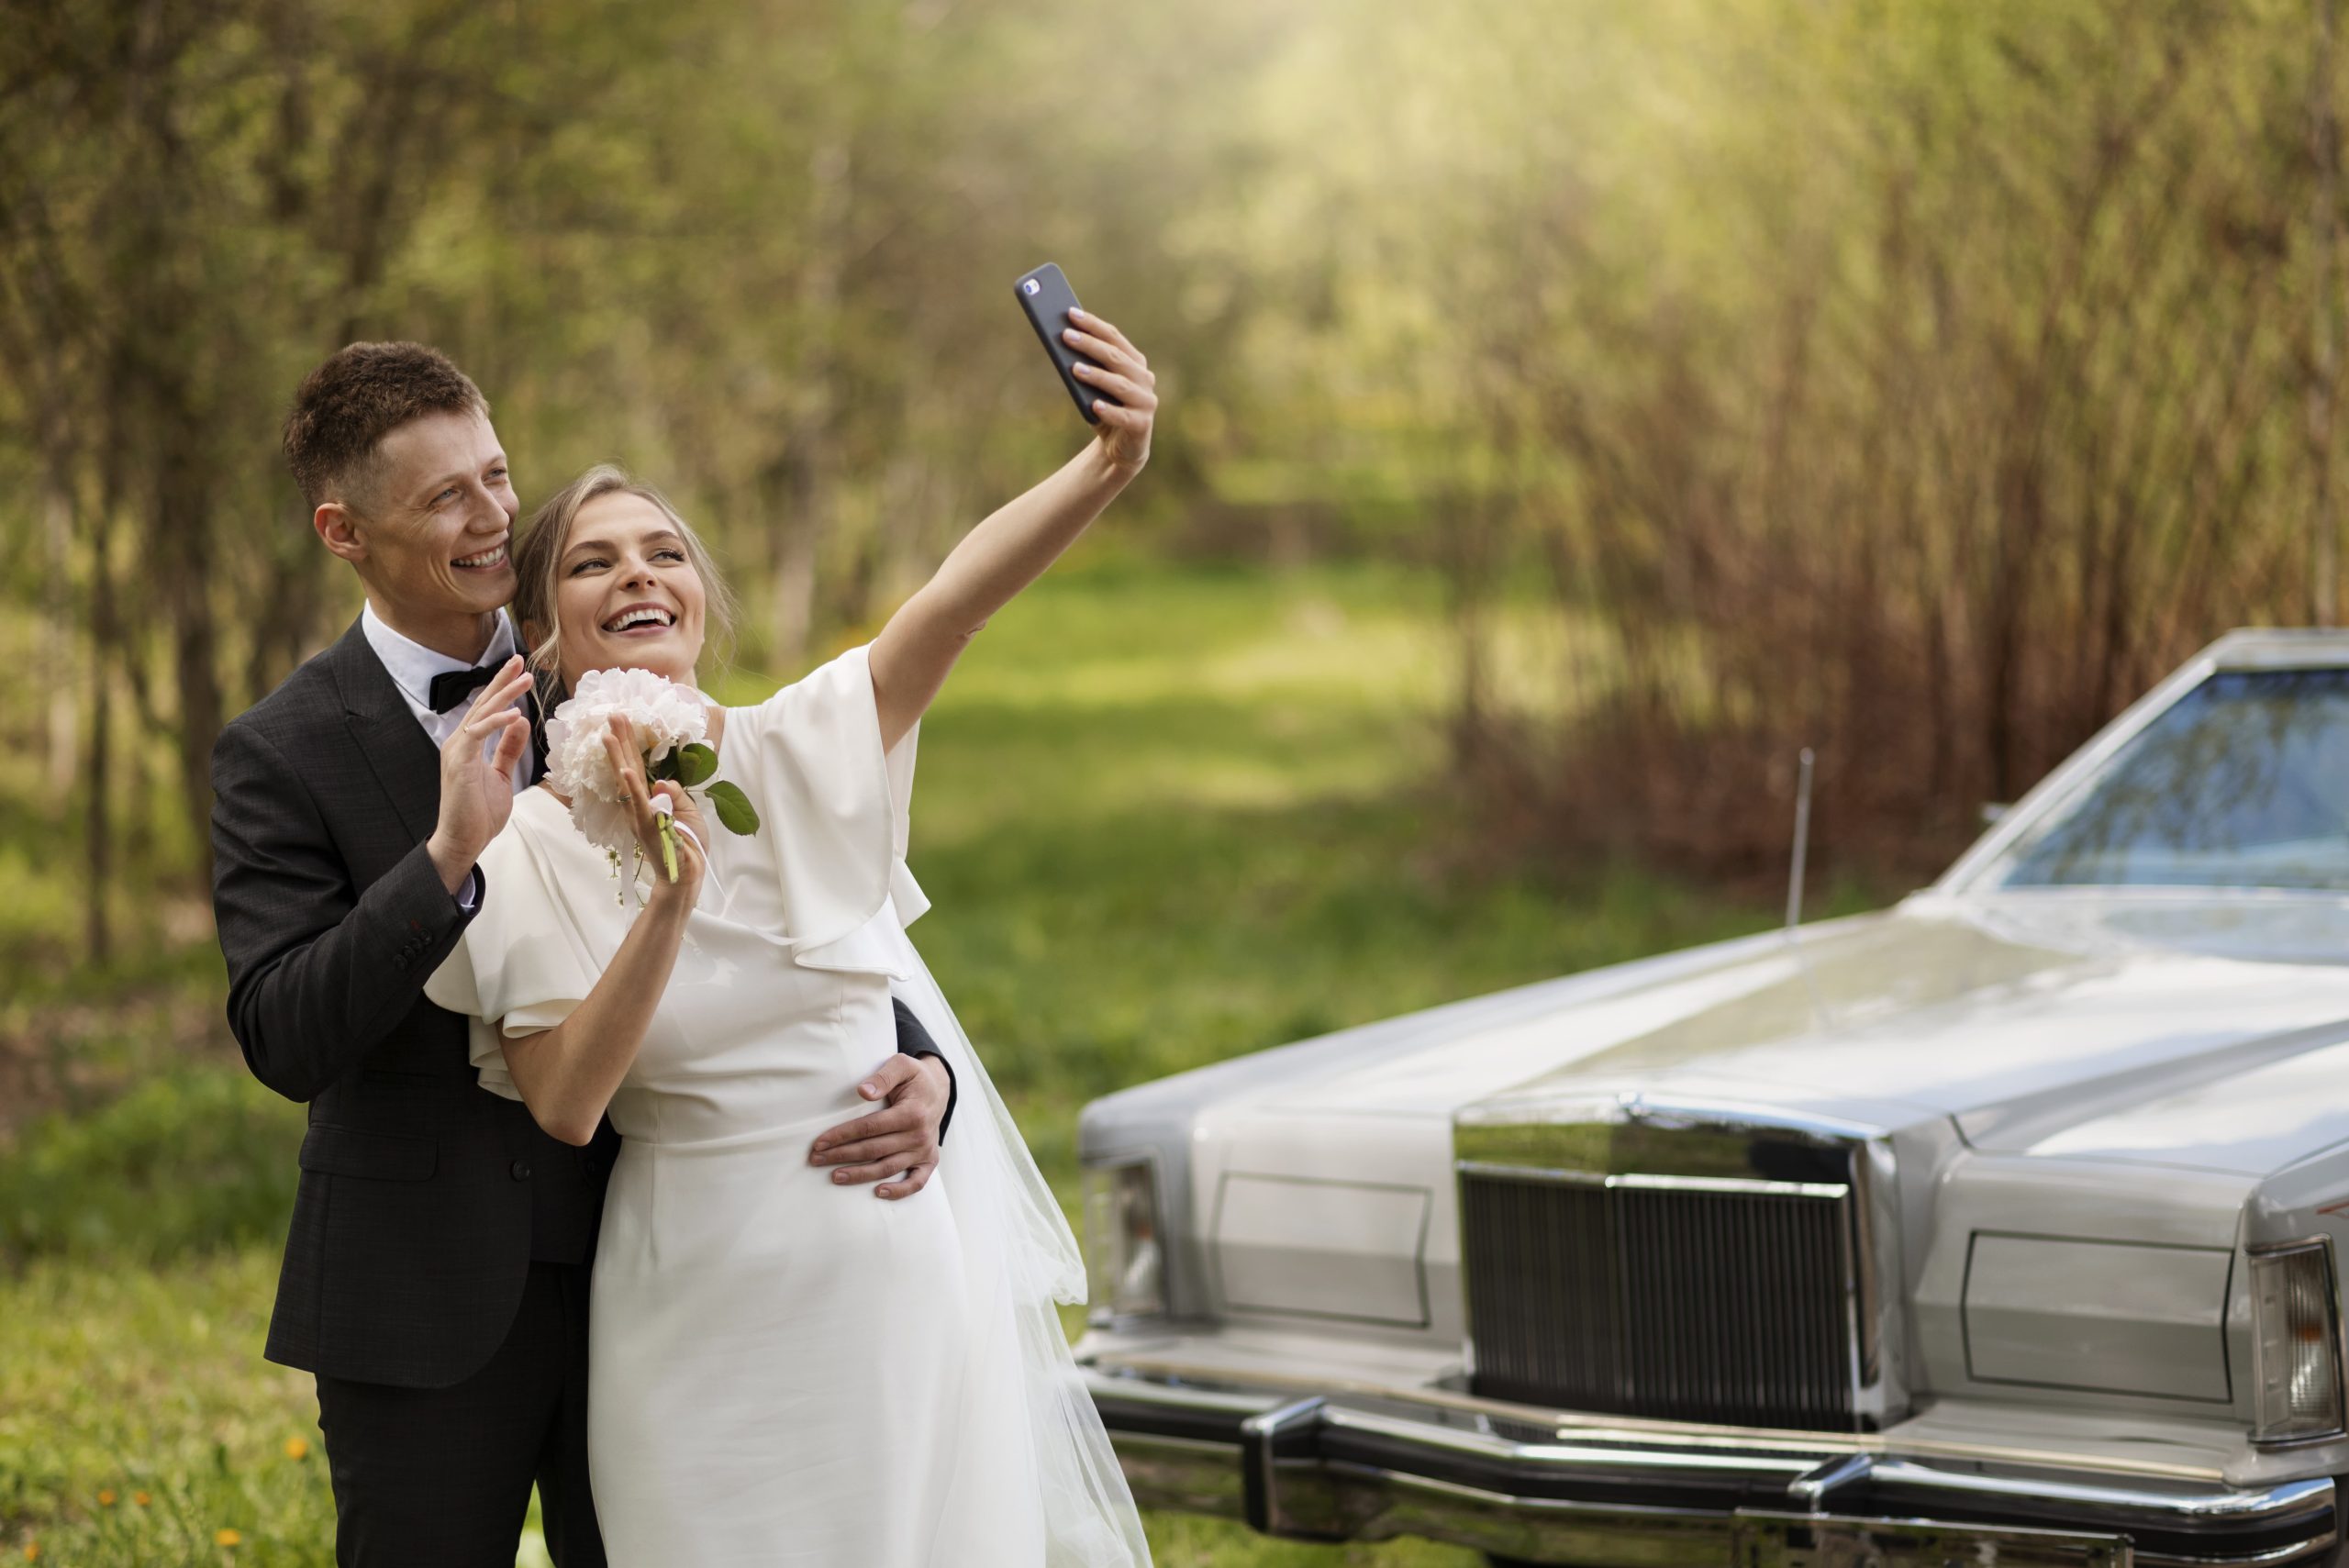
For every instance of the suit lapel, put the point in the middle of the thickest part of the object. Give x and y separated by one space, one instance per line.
405 761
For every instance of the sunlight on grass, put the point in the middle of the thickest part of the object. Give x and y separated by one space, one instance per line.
136 1421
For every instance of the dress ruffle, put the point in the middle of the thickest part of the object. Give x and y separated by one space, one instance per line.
824 878
810 758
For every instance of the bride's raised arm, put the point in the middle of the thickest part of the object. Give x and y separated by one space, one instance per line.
1015 543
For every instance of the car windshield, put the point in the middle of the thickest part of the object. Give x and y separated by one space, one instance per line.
2243 783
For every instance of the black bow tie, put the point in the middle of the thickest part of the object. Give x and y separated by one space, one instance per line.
455 686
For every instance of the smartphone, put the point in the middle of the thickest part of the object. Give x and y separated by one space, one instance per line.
1045 296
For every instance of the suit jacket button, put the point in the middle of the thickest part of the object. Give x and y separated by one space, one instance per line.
521 1169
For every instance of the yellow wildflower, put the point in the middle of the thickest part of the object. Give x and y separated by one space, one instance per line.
141 1498
296 1448
225 1538
32 1552
105 1497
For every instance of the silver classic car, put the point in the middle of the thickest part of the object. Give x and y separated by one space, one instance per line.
2000 1227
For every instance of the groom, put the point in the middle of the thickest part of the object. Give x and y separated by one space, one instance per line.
436 1271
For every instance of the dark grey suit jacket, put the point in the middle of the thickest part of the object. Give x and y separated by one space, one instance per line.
413 1227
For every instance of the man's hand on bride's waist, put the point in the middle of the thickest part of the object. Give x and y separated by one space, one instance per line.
896 1145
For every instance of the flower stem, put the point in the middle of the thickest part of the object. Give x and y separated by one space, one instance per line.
668 849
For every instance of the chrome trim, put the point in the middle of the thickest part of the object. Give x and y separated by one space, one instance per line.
1129 1375
1760 1539
2224 1505
1814 1486
2257 1560
1659 1183
1567 1456
1640 1140
1273 1475
1261 1442
1636 1134
1369 1504
2340 1343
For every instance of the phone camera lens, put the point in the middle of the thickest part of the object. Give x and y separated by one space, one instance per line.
1030 286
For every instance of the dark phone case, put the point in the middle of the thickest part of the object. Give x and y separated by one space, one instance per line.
1047 306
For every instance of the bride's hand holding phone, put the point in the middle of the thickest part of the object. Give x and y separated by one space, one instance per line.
1122 373
1114 386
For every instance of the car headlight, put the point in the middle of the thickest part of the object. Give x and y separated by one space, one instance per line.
2296 1329
1124 1257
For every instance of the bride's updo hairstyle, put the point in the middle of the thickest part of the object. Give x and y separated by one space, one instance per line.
537 557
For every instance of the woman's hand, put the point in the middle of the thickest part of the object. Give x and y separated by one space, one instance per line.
569 1073
1122 373
691 831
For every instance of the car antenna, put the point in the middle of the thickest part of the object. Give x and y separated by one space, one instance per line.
1795 879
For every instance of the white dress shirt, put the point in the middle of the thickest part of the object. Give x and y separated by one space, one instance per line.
412 666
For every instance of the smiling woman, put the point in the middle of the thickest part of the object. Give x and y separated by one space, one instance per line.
722 1025
610 576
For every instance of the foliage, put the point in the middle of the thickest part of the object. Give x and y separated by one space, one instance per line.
1918 383
761 250
1915 381
188 1163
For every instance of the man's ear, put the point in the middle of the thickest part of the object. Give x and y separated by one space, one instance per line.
337 527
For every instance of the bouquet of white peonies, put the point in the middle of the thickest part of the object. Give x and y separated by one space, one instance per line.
668 721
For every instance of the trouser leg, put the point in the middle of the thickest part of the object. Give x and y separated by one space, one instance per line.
566 1506
443 1475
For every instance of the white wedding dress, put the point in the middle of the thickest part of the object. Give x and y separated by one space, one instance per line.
784 1370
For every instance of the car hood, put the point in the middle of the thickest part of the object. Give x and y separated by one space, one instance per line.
2208 1034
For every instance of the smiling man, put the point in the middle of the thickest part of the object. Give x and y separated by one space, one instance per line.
436 1269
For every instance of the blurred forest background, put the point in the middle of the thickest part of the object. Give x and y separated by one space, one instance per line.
1912 381
1573 408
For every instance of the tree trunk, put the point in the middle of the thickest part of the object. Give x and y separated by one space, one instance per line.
2324 363
179 520
98 828
56 671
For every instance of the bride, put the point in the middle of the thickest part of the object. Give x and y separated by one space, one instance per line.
783 1371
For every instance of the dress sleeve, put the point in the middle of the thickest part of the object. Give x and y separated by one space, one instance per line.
518 968
835 809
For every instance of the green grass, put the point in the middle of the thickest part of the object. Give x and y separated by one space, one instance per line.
1164 815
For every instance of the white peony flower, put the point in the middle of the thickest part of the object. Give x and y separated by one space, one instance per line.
606 824
666 715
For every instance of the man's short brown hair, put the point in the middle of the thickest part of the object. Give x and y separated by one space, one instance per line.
346 407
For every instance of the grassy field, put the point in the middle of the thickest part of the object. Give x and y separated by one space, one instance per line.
1165 816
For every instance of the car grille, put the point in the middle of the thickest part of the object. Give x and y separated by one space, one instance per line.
1681 1302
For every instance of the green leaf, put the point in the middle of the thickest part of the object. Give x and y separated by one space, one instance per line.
695 764
734 809
667 768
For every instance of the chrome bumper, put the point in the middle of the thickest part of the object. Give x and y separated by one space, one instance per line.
1351 1468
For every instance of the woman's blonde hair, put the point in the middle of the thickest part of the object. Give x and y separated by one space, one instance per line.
540 554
